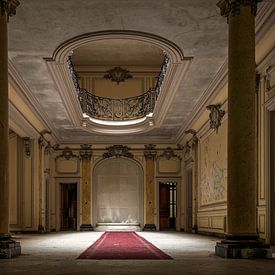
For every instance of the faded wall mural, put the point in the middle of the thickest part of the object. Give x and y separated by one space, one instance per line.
213 167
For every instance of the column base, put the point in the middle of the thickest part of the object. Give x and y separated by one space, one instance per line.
194 229
8 247
86 227
41 229
243 247
149 227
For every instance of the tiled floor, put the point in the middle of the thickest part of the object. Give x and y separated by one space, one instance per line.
56 253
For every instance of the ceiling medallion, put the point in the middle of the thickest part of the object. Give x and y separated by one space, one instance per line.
118 75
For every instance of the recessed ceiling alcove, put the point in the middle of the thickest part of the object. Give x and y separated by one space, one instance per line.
93 55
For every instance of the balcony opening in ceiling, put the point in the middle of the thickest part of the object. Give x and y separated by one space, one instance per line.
118 80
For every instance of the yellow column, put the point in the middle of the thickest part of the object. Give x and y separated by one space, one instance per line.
195 184
241 239
86 154
8 248
150 156
42 144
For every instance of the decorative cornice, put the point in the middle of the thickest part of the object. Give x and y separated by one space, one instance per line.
24 92
150 151
9 7
86 152
169 153
118 151
67 153
232 7
215 116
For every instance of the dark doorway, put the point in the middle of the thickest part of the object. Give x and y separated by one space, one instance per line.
167 205
68 206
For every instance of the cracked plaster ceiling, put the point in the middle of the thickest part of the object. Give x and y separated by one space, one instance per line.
41 26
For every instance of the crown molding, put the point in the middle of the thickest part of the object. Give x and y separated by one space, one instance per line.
270 104
19 124
24 92
207 97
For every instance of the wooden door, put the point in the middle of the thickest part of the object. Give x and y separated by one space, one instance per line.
164 206
68 206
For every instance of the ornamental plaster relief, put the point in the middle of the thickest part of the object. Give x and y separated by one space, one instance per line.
213 163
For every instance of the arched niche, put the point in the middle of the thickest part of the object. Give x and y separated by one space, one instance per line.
118 192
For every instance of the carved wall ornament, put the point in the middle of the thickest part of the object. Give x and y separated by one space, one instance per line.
86 151
42 142
27 146
118 151
232 7
150 151
194 139
9 6
169 153
67 153
215 116
117 74
187 148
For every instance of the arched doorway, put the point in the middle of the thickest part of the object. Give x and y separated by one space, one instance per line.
118 192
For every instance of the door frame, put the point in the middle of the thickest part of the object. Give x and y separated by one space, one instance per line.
177 180
60 181
188 188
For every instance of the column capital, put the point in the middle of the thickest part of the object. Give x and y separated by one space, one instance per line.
232 7
150 152
9 7
86 152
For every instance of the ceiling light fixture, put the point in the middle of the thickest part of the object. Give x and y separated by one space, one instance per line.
118 75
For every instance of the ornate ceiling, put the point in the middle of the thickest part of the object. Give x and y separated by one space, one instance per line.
40 27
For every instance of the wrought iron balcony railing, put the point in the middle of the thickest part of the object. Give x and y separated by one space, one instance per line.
118 109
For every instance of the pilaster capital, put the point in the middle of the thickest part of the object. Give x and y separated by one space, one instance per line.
42 142
150 152
9 7
86 152
232 7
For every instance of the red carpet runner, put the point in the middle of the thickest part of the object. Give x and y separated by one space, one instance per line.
123 245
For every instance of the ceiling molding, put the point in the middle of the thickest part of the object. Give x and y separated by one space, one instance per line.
19 124
63 80
177 68
270 104
24 92
207 97
61 53
264 19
